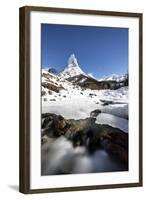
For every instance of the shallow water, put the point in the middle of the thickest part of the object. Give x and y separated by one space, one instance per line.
60 157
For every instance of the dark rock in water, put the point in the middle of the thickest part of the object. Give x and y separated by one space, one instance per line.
93 141
46 121
79 139
44 115
94 113
106 102
117 150
116 143
59 123
77 130
85 132
119 138
55 124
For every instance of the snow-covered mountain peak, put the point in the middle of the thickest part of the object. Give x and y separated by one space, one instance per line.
72 69
72 60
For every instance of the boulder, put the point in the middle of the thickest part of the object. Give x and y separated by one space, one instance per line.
59 122
45 99
117 150
94 113
115 142
49 92
51 87
43 92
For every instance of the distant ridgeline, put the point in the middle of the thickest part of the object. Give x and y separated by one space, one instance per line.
73 73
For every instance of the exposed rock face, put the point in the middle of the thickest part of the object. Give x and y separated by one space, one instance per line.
50 87
51 82
85 132
93 84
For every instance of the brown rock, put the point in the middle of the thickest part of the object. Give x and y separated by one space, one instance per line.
43 92
50 86
118 151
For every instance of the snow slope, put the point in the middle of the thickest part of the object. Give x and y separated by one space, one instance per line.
114 77
74 102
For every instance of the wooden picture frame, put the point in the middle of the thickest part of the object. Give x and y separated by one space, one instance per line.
25 99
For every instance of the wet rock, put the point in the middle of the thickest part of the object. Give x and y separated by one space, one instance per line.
94 113
59 122
118 151
53 125
85 132
116 143
113 140
47 124
46 121
106 102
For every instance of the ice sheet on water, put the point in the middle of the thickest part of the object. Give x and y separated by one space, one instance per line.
113 121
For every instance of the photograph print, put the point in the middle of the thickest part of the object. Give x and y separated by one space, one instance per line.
84 99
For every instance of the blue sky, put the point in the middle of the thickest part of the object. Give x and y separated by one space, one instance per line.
99 50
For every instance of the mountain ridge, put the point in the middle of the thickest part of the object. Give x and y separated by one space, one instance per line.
74 74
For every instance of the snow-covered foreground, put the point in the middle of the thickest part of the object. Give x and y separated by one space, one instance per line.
74 102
